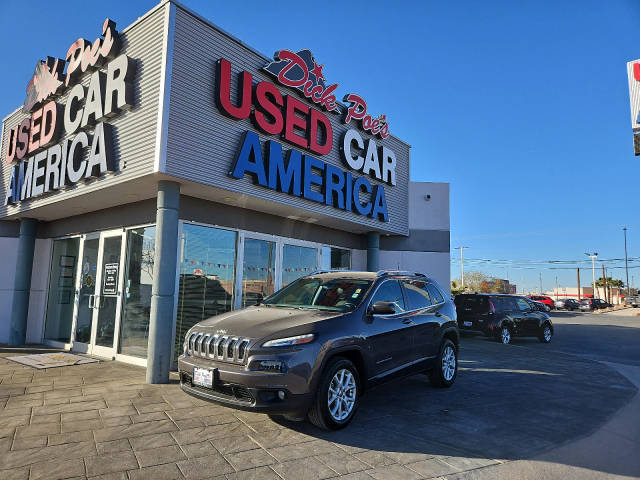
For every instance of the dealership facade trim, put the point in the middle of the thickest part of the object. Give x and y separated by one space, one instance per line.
167 172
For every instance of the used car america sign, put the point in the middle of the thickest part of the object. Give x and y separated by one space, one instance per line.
39 162
293 172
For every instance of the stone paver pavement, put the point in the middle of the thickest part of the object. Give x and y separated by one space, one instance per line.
101 421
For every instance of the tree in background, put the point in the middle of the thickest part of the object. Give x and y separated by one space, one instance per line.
480 282
456 288
610 282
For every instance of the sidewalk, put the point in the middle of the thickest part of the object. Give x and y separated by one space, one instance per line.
100 421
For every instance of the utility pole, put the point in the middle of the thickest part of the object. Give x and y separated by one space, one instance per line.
626 261
579 285
541 292
593 270
556 288
604 284
461 265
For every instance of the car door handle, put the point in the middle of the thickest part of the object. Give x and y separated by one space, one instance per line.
406 321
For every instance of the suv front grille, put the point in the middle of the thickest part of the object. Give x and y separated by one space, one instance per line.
223 348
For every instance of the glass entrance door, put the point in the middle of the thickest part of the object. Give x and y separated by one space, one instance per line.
258 270
99 295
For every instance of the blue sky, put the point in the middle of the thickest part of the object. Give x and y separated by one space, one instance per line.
522 106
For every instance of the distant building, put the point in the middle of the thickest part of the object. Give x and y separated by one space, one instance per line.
614 295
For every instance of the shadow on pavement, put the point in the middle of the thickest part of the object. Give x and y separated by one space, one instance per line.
508 403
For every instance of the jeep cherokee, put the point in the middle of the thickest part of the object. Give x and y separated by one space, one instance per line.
313 348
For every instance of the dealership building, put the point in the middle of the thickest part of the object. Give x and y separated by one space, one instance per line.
166 172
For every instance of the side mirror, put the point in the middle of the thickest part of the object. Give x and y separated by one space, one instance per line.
383 308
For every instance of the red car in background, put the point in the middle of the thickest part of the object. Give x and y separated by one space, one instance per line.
544 299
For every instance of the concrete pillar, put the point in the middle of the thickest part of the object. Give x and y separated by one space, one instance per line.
164 283
22 283
373 251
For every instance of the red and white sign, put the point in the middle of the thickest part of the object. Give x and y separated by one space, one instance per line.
633 73
301 71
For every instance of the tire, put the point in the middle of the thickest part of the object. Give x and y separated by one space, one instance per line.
546 332
335 418
505 334
445 371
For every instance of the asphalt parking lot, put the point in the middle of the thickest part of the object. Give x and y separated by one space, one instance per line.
515 411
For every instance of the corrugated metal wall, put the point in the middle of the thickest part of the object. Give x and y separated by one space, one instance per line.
134 132
202 143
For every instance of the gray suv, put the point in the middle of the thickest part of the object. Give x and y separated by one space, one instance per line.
313 348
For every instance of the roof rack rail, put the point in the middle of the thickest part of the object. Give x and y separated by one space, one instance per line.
382 273
335 270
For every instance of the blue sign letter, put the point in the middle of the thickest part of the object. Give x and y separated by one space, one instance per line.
283 178
250 160
380 205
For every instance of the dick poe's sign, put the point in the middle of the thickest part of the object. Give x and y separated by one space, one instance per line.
300 171
40 162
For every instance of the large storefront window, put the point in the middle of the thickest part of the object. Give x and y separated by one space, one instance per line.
297 262
62 284
257 271
340 259
134 332
207 276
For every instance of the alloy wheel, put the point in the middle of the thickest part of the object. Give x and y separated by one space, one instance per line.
342 394
448 363
505 335
546 333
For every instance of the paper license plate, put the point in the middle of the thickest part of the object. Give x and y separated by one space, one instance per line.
203 377
468 324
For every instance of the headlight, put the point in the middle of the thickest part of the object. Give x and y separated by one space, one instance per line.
288 341
185 344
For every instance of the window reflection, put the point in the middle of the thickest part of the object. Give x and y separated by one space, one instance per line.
340 259
257 271
297 262
61 298
207 275
134 333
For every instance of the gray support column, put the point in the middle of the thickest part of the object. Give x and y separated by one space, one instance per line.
22 283
373 251
164 283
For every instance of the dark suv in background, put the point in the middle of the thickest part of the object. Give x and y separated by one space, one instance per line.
502 317
314 347
589 304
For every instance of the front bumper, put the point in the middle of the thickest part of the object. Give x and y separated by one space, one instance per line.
237 387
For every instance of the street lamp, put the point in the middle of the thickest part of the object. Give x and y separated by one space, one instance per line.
593 269
461 265
626 262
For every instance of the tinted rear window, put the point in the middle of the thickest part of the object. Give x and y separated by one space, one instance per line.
472 303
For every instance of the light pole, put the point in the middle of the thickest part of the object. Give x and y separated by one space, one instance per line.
626 262
593 269
461 265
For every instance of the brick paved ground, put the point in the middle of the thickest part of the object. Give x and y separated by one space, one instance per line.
101 421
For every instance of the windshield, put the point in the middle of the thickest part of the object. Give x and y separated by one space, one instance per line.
338 294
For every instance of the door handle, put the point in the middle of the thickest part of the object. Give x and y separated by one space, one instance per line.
407 321
92 300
